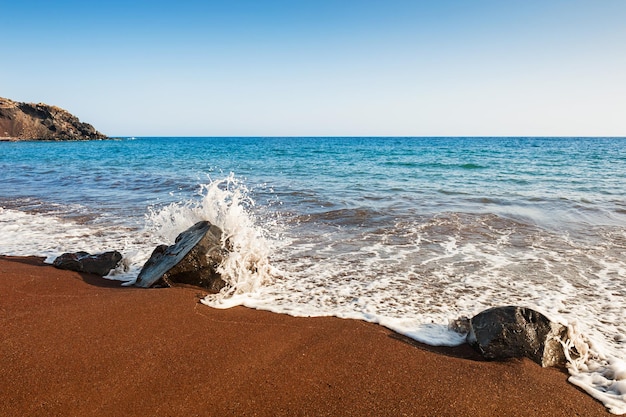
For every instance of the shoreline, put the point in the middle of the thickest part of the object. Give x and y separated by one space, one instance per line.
76 344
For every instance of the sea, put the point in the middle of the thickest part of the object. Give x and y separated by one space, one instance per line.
413 233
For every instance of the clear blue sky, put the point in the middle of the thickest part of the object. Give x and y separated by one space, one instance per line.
342 67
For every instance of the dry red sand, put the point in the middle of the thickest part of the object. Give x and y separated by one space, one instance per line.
76 345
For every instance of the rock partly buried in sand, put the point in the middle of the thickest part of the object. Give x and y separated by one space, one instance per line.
514 332
193 260
99 264
30 121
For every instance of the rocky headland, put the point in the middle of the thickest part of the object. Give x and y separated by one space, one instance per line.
29 121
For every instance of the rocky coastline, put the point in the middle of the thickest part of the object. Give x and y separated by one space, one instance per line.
29 121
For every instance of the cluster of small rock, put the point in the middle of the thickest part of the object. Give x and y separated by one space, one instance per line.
193 259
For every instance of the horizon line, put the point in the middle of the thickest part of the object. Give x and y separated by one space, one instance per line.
377 136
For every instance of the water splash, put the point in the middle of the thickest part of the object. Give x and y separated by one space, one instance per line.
227 204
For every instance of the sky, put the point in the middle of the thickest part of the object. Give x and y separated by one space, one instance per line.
322 68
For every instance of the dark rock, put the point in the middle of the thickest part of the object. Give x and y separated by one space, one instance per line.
30 121
193 260
513 332
99 264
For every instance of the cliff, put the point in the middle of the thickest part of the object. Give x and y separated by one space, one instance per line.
29 121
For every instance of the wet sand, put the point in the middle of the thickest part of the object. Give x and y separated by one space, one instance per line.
77 345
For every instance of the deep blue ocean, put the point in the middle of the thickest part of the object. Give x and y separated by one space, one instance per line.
411 233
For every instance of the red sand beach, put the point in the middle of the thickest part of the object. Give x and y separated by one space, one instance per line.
77 345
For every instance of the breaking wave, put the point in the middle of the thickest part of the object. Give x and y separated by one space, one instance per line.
225 203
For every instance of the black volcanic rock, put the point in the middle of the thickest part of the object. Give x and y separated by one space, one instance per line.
193 259
29 121
514 332
99 264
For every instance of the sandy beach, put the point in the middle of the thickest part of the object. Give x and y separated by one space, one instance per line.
78 345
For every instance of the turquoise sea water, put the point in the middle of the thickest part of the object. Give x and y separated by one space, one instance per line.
412 233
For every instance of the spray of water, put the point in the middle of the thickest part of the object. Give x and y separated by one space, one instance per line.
227 204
